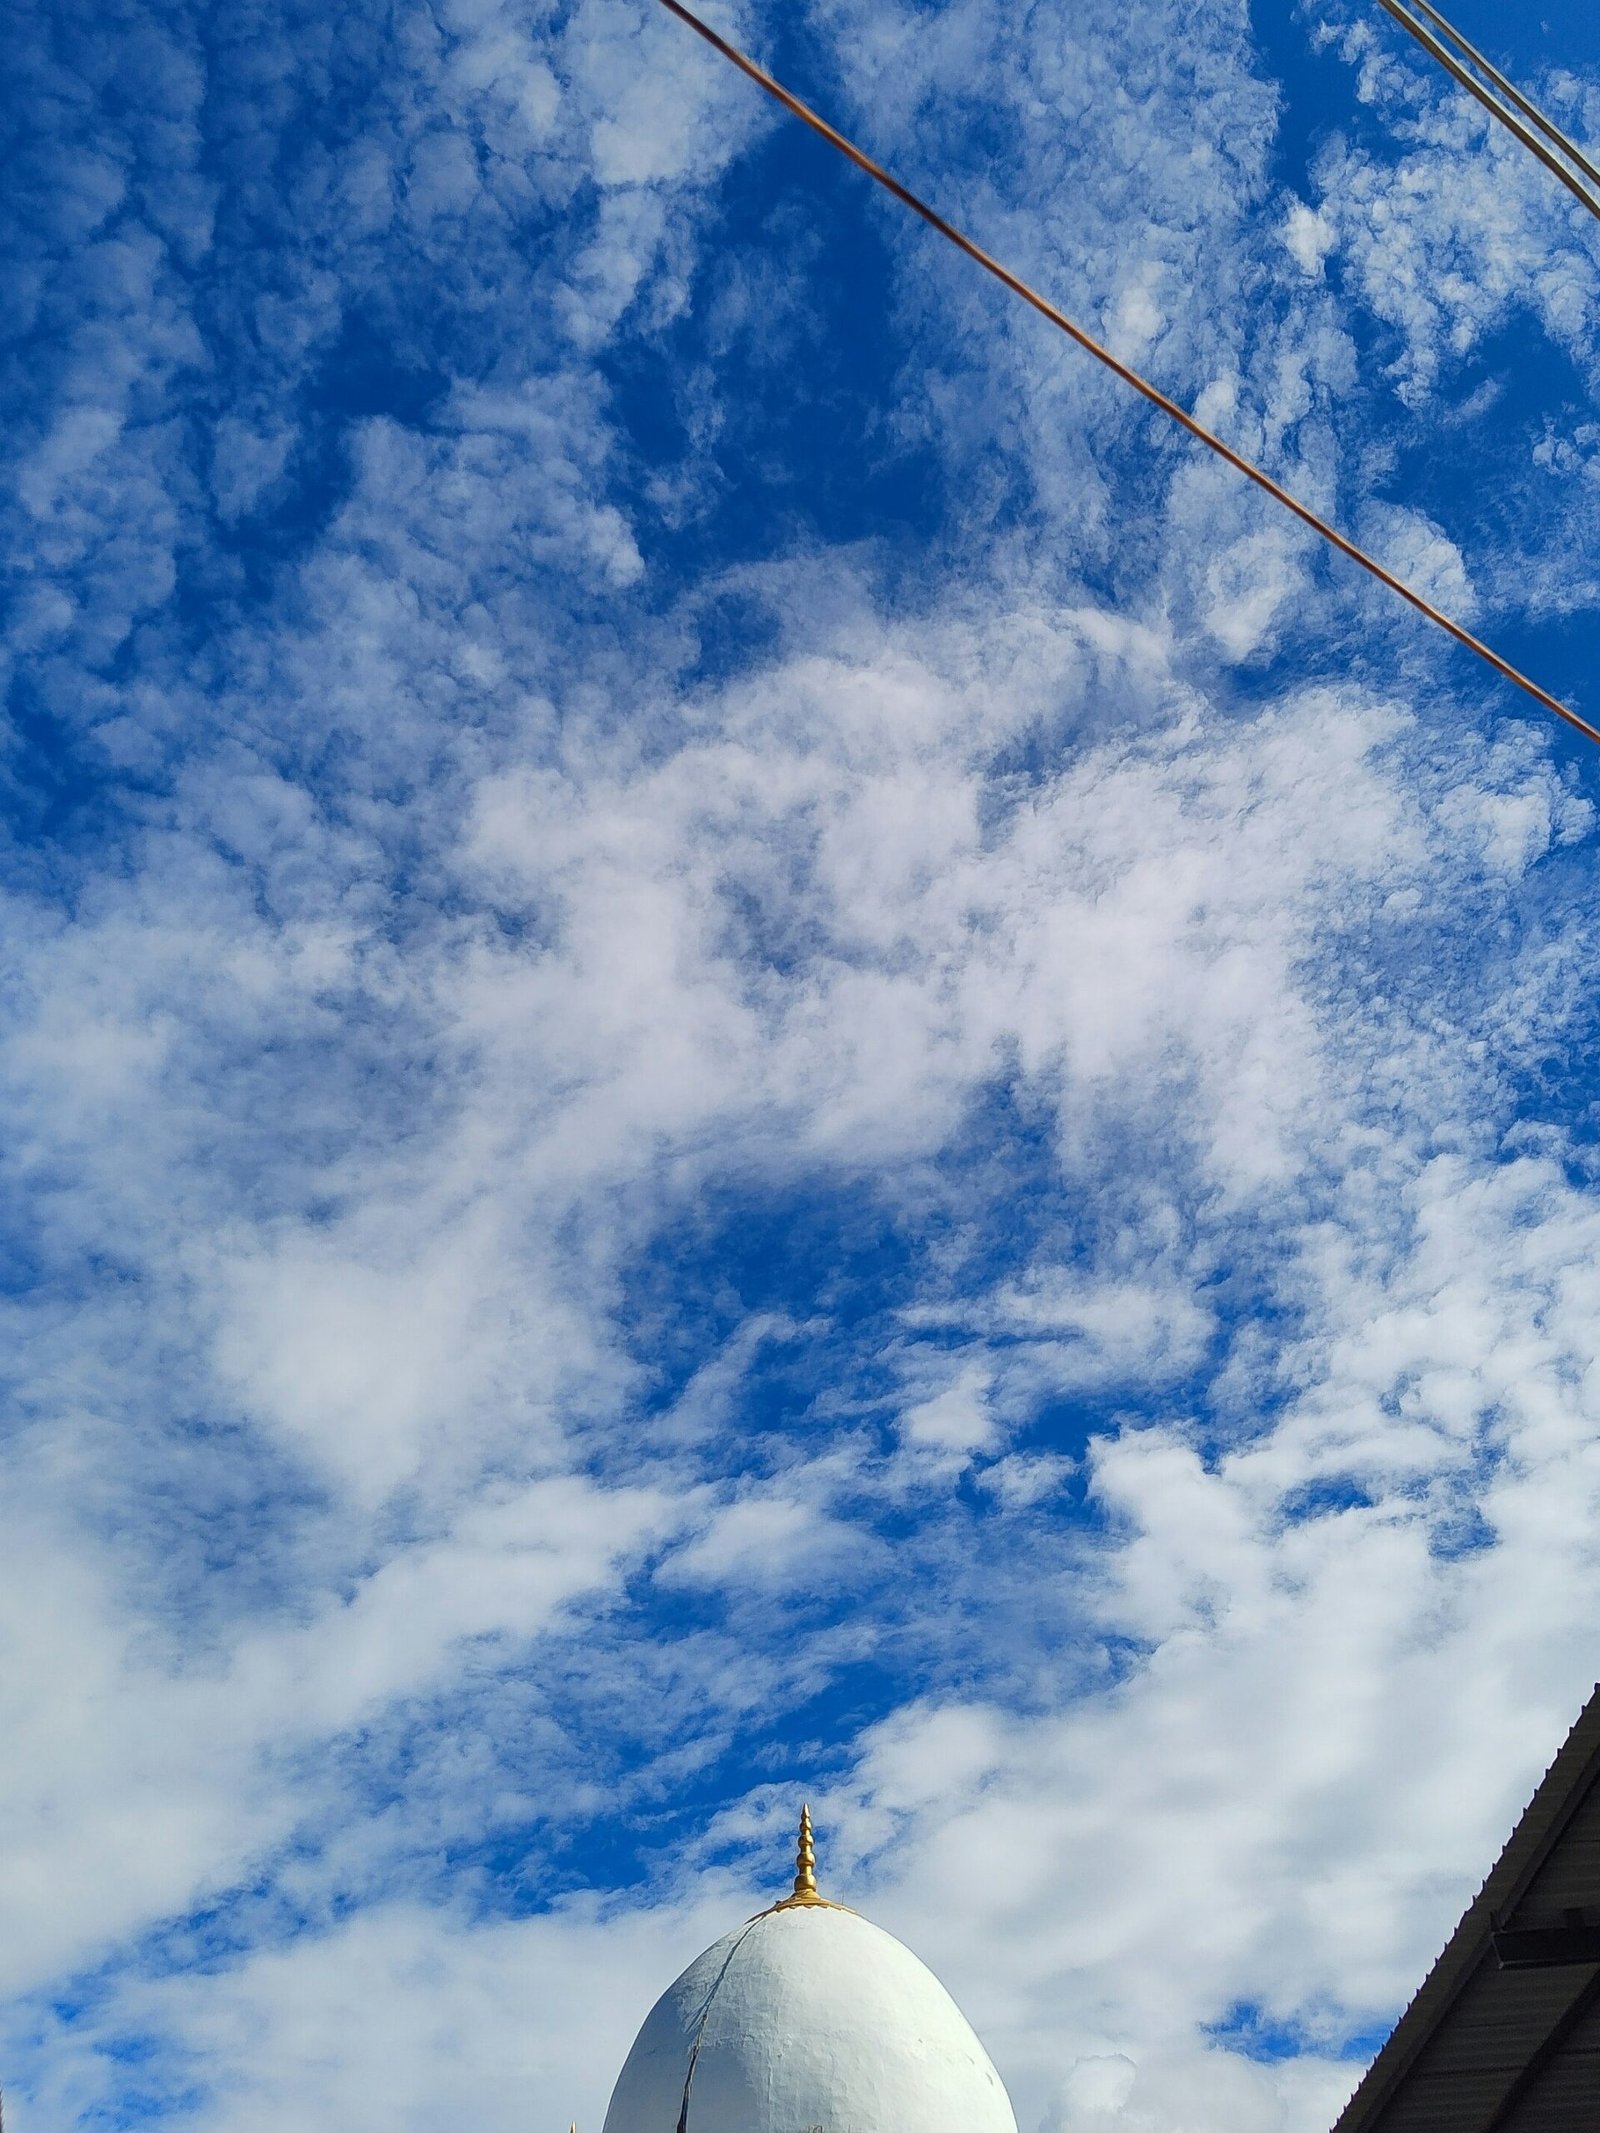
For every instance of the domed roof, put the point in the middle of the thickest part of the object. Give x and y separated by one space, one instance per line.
807 2019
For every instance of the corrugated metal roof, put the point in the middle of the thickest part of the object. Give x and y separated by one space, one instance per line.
1488 2049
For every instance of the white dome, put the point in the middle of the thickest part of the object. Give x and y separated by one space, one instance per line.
808 2020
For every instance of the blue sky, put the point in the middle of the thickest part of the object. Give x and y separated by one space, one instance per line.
750 1052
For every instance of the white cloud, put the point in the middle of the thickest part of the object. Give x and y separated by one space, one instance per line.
485 961
1309 236
764 1540
954 1420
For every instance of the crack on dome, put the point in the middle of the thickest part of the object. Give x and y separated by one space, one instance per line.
700 2025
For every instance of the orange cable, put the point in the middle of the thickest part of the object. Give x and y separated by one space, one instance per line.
1086 341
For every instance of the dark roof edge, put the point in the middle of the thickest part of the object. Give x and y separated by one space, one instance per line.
1560 1792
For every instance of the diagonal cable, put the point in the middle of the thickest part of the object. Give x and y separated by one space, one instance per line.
1492 103
1510 91
1153 394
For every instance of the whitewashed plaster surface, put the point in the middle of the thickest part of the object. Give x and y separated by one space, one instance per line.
803 2020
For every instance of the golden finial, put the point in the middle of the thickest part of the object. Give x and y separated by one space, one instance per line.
805 1897
805 1861
805 1878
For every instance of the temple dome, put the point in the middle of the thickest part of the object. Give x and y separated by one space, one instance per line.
808 2019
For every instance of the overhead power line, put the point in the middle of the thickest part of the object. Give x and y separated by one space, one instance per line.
1514 95
1575 160
1152 393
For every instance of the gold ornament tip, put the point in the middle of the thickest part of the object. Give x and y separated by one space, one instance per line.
805 1859
805 1874
805 1896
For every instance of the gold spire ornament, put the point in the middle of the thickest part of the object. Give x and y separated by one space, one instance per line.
805 1895
805 1861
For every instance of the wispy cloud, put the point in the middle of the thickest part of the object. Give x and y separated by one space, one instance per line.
743 1047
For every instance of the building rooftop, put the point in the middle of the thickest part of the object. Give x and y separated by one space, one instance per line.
1504 2034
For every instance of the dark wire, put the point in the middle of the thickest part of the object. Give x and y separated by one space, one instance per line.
1086 341
1492 103
1529 109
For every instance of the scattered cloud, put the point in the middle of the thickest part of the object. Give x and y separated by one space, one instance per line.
748 1052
